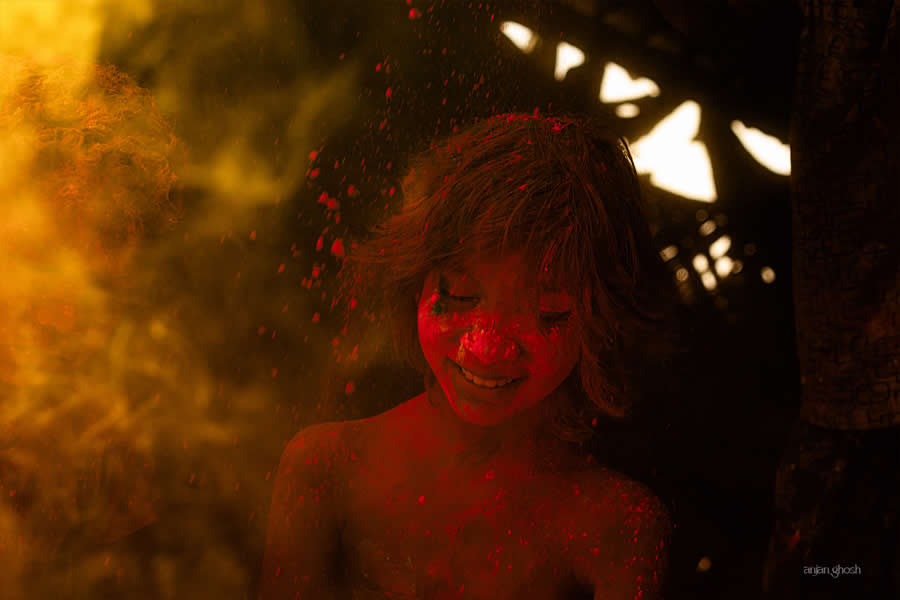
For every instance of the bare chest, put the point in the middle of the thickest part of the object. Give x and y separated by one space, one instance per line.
494 535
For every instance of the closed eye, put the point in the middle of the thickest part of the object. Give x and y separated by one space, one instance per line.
445 294
555 317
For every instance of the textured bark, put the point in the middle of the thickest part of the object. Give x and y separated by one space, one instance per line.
845 145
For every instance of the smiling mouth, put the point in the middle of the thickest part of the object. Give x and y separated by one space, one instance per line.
488 384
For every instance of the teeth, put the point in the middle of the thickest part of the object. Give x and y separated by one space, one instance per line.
488 383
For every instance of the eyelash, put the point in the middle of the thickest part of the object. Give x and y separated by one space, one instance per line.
547 318
554 318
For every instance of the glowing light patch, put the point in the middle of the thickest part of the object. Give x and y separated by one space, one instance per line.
627 110
724 265
618 86
707 228
669 252
701 263
567 57
675 161
704 565
524 39
768 150
709 280
767 274
720 246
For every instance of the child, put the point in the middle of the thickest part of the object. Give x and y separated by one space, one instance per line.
520 279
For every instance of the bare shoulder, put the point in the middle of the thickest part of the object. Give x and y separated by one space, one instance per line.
327 448
320 442
305 519
626 530
627 499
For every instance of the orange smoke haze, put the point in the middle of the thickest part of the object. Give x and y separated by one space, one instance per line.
140 388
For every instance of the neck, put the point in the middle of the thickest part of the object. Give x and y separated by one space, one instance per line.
520 440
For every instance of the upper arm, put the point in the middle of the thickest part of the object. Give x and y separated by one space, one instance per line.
625 556
304 528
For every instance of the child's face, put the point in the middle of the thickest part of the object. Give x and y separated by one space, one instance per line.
487 321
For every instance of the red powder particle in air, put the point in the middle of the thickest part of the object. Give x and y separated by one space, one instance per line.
349 388
319 244
337 248
333 204
274 372
261 330
253 235
352 303
314 173
387 93
353 191
313 155
414 13
377 67
315 318
594 422
421 499
281 268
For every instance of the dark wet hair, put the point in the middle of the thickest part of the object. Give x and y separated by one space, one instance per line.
562 190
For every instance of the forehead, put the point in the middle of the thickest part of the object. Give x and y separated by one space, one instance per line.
513 270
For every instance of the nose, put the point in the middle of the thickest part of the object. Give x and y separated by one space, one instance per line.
489 345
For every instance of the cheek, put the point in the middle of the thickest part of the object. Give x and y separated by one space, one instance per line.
434 323
437 323
552 353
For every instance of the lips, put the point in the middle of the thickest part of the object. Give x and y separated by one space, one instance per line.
484 375
496 384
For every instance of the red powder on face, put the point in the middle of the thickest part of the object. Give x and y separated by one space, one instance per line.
490 325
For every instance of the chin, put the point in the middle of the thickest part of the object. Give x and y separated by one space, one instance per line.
476 415
481 406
